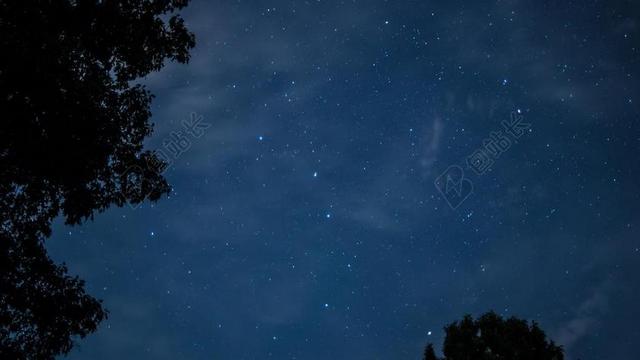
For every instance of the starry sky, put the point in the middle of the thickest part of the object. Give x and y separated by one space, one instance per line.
304 221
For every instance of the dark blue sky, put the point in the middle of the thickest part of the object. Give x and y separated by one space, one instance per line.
304 222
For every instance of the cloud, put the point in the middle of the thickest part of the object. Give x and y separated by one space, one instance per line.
586 318
432 144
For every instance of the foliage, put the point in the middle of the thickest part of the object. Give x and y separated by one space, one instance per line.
41 307
491 337
73 121
72 129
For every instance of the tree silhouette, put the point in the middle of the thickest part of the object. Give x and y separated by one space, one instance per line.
73 122
491 337
429 353
72 130
41 308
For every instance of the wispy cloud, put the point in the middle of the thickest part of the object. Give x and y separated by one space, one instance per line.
585 319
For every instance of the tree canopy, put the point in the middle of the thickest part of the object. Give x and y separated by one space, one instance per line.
74 120
429 353
490 337
41 307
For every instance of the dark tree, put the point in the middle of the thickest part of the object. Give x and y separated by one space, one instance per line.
491 337
72 127
72 120
429 353
41 308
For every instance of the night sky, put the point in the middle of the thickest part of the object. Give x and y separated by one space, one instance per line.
304 221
